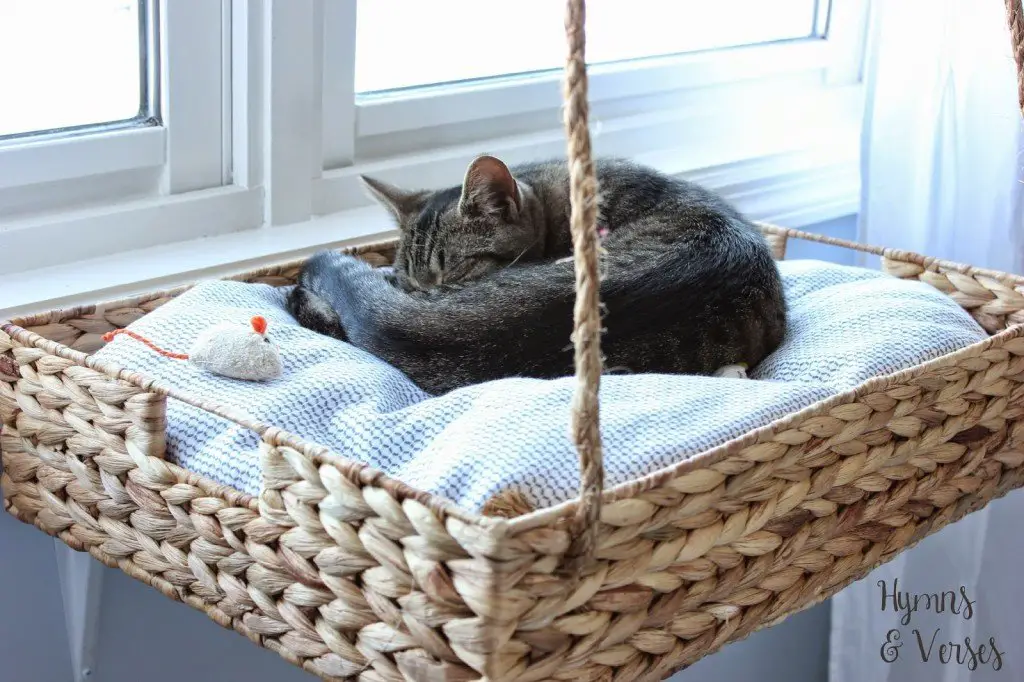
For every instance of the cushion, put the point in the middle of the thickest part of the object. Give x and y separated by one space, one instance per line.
847 325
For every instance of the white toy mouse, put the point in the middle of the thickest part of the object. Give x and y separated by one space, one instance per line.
226 349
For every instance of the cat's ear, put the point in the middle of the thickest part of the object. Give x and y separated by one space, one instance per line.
399 202
490 188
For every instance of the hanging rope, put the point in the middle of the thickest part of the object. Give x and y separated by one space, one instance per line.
1015 19
587 312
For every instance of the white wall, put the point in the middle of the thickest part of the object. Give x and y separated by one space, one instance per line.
145 636
33 644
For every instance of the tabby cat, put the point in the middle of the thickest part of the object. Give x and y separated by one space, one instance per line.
482 288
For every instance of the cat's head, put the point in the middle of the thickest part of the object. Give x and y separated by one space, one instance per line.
462 233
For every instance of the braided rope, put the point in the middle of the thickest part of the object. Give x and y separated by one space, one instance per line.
587 312
1015 20
583 221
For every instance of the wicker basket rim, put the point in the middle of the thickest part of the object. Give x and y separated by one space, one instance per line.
366 474
356 471
712 456
926 262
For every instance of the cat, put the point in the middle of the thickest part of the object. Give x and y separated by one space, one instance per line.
482 288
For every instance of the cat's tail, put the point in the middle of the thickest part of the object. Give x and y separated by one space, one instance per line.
674 311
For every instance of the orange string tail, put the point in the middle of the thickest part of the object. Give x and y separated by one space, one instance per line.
109 336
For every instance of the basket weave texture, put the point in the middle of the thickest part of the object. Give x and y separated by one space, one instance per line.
352 575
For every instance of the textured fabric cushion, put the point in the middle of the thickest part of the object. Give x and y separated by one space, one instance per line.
847 324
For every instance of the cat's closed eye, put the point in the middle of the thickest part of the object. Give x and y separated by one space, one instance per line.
473 266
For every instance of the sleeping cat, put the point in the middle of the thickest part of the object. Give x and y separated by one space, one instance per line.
482 287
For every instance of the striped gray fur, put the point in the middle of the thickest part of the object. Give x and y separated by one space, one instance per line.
482 288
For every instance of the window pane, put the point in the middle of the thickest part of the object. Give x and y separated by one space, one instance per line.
406 44
68 63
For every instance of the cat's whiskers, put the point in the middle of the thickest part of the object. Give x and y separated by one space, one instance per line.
523 253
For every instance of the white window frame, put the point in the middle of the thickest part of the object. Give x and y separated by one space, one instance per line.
265 142
90 190
701 93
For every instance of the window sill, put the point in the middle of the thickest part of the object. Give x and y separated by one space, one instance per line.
169 265
796 189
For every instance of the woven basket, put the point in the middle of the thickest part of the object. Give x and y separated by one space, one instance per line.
353 575
349 573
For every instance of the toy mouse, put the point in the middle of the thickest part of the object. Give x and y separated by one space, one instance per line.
226 349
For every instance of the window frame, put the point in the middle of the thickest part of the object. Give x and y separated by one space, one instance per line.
424 108
266 164
183 146
824 70
835 47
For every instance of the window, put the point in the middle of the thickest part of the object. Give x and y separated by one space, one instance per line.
72 63
463 40
143 140
116 116
411 89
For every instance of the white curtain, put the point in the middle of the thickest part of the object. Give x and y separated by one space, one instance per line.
943 172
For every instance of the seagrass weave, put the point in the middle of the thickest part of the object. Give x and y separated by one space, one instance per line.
353 575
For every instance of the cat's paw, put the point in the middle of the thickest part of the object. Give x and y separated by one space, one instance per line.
314 313
732 372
